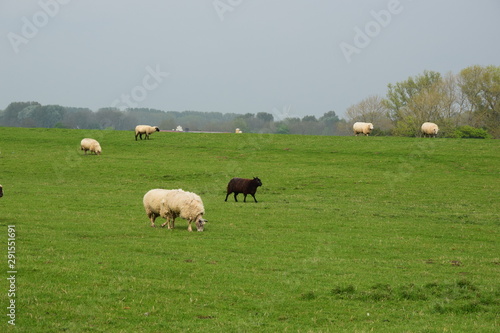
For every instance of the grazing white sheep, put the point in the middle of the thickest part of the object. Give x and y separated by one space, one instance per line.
152 204
429 129
187 205
360 127
92 145
170 204
146 130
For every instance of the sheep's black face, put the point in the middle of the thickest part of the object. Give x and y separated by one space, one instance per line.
1 192
200 224
257 181
157 129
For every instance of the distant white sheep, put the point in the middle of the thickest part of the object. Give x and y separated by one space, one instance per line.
170 204
429 129
360 127
92 145
146 130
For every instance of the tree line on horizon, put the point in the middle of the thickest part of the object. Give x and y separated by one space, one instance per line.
466 104
33 114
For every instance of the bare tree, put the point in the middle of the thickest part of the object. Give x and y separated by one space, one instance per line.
372 110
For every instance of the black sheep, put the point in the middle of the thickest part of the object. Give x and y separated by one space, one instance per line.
1 191
245 186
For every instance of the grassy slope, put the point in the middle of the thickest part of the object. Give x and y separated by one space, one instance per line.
402 229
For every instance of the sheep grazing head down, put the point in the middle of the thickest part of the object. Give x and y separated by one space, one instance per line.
200 224
1 191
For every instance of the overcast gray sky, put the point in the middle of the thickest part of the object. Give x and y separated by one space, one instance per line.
285 57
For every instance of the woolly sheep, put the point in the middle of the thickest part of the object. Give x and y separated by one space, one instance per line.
429 129
146 130
360 127
92 145
187 205
170 204
245 186
152 204
1 191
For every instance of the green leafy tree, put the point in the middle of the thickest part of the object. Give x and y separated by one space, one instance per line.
329 120
414 101
401 94
265 117
48 115
10 114
481 88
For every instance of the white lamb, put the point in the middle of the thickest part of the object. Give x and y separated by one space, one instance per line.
187 205
360 127
92 145
170 204
429 129
146 130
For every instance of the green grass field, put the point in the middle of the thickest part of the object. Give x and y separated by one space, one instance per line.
350 234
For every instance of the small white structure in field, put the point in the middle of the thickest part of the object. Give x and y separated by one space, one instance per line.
179 129
238 131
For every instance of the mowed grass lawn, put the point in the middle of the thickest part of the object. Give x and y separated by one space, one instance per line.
350 234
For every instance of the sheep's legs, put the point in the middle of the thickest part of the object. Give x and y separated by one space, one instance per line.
170 223
189 226
253 197
152 218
